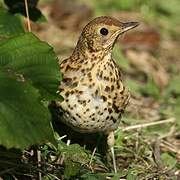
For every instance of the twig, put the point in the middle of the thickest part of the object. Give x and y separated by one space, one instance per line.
27 14
169 146
39 163
138 126
62 137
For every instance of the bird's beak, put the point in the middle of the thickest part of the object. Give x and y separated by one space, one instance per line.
129 25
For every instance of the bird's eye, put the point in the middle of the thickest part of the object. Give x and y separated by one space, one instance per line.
104 31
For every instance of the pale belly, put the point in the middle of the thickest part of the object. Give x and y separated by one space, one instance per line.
88 113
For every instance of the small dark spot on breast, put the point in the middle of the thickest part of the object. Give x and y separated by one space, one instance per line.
115 108
101 74
106 78
82 70
78 115
81 61
107 89
89 74
104 98
112 88
67 94
72 91
110 110
74 84
67 79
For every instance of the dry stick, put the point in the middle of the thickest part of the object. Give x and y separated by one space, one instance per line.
170 147
39 163
27 14
170 120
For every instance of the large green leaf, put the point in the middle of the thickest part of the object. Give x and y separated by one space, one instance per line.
29 73
23 119
35 60
10 25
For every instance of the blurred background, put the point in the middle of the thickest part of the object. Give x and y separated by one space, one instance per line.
149 57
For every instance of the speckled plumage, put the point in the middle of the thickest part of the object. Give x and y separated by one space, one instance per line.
92 87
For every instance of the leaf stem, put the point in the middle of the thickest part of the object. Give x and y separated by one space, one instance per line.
27 14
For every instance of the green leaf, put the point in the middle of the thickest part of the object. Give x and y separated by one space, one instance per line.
10 25
35 60
23 119
71 169
169 160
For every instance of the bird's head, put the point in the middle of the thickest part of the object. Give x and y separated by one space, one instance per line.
101 33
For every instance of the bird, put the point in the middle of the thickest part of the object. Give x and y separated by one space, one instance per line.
95 96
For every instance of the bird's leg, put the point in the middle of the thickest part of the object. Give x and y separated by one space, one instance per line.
110 142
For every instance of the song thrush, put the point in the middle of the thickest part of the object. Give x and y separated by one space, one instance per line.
92 87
